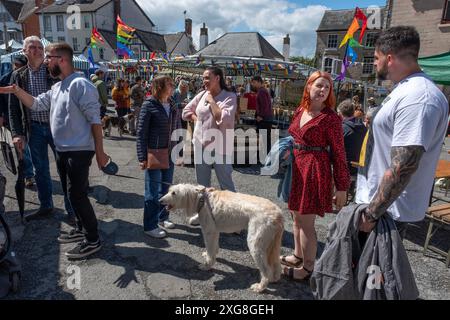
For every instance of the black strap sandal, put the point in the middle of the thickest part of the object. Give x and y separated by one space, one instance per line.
297 264
290 274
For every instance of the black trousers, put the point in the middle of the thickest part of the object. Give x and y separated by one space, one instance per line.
73 167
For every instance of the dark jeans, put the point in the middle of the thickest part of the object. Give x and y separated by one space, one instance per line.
73 167
268 141
154 212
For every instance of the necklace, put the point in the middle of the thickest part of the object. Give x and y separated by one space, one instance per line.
313 113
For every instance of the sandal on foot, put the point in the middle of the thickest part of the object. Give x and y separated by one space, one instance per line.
290 274
297 264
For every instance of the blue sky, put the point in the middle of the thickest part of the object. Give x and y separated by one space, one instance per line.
272 18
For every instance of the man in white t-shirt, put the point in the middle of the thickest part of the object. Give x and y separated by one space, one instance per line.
406 135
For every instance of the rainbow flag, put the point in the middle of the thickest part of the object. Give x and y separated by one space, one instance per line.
124 36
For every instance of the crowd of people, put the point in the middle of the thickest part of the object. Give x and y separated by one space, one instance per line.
387 154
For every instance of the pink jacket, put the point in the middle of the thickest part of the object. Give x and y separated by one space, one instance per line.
224 129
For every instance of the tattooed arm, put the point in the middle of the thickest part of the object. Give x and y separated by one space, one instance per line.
404 163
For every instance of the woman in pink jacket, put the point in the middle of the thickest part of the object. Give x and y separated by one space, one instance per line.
213 112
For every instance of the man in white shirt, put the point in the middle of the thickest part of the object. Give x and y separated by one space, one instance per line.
405 136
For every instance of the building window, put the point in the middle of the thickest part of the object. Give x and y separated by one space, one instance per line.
75 44
332 41
4 16
61 39
446 14
87 25
368 65
50 39
328 65
370 39
101 53
59 22
47 23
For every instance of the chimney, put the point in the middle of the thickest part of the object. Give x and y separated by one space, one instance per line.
203 36
286 47
188 27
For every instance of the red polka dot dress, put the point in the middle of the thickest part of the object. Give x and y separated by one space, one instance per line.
312 187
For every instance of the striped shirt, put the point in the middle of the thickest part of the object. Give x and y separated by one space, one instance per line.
37 84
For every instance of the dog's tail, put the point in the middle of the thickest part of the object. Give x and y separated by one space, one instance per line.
274 249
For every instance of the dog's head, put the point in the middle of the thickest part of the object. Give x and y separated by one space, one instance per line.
183 196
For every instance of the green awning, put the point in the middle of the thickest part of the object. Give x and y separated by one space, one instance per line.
437 67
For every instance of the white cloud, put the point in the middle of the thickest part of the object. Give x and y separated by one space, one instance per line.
272 18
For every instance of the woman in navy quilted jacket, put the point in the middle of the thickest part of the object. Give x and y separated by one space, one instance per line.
157 121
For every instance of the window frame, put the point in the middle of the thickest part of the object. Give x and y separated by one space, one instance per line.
49 19
75 44
62 23
375 35
446 12
87 22
366 64
328 41
325 66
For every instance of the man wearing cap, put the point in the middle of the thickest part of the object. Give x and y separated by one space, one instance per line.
32 127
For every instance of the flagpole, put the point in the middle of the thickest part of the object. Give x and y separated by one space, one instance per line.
343 61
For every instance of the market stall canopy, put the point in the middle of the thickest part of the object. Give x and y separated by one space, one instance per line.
13 44
437 67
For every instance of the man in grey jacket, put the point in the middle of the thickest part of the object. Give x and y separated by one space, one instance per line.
77 133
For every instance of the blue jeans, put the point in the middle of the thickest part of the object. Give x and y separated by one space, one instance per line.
154 212
40 139
29 173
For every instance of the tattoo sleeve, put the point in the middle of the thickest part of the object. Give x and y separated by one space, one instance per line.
404 162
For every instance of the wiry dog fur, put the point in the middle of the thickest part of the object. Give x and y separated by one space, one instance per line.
117 122
228 212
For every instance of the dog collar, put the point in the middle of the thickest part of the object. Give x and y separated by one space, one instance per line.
201 204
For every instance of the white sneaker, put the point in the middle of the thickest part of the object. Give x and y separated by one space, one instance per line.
167 224
194 221
156 233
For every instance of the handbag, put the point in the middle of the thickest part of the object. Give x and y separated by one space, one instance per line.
159 158
7 152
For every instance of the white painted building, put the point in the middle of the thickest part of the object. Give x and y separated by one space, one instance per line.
60 22
9 12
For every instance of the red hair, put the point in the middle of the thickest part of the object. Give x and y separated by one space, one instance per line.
306 100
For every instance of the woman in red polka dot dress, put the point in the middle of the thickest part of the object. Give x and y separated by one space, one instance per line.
319 146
